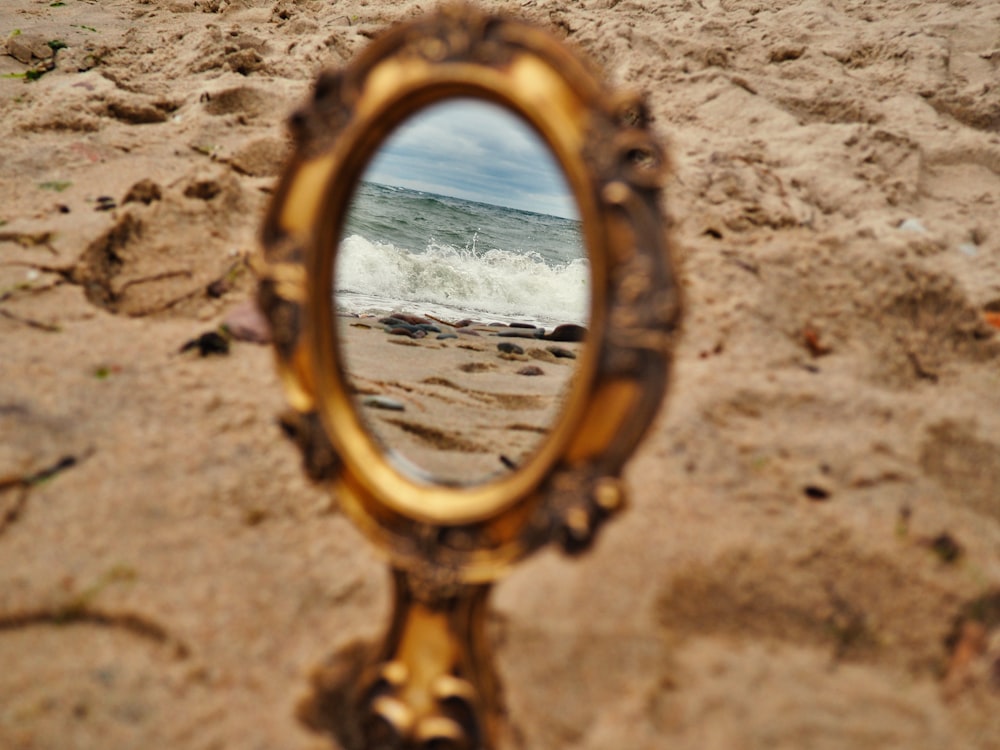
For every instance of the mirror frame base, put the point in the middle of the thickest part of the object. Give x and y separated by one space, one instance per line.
434 684
430 684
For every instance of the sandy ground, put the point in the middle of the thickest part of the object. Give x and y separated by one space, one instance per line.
812 555
462 408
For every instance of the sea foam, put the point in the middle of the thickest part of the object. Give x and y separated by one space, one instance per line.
460 282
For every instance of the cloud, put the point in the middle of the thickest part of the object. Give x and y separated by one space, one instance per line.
478 151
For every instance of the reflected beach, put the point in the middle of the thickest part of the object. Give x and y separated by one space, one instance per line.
462 292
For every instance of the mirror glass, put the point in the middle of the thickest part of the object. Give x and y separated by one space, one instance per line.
461 292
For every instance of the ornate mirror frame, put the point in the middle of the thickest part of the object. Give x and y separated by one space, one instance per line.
447 542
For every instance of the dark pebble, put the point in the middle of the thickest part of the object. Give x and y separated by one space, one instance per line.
413 320
531 370
208 343
522 325
384 402
567 332
558 351
400 331
443 336
522 333
508 348
217 288
816 492
392 325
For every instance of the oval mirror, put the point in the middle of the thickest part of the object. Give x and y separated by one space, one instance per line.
424 261
461 292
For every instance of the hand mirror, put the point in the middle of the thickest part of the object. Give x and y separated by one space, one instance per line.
459 152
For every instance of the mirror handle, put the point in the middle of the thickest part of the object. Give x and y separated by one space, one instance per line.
434 685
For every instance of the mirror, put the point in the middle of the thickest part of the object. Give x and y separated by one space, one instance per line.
425 277
461 292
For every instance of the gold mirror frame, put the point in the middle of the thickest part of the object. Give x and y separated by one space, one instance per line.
447 543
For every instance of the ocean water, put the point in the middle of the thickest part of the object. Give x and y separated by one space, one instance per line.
451 258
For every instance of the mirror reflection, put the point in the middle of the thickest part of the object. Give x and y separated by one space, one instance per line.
461 292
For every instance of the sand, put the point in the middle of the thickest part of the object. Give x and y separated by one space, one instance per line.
811 558
462 404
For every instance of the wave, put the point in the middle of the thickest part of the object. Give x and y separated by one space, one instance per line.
378 276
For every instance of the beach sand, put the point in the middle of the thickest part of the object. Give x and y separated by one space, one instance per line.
811 556
463 408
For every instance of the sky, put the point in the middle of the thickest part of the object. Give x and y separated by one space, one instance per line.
474 150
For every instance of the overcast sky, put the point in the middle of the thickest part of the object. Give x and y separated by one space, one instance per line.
474 150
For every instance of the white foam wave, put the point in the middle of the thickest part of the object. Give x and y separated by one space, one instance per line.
376 277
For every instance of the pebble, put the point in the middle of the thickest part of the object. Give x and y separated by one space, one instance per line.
531 370
413 320
567 332
384 402
508 348
912 225
246 322
393 324
442 336
523 333
541 355
208 343
558 351
405 330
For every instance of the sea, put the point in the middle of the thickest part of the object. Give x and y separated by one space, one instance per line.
451 258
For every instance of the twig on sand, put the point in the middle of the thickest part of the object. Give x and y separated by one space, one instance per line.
48 327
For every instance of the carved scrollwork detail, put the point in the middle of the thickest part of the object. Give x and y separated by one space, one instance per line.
426 692
392 723
281 298
314 127
644 312
283 315
459 33
581 500
319 459
629 166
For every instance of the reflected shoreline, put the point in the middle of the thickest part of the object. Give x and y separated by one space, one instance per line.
402 248
462 401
